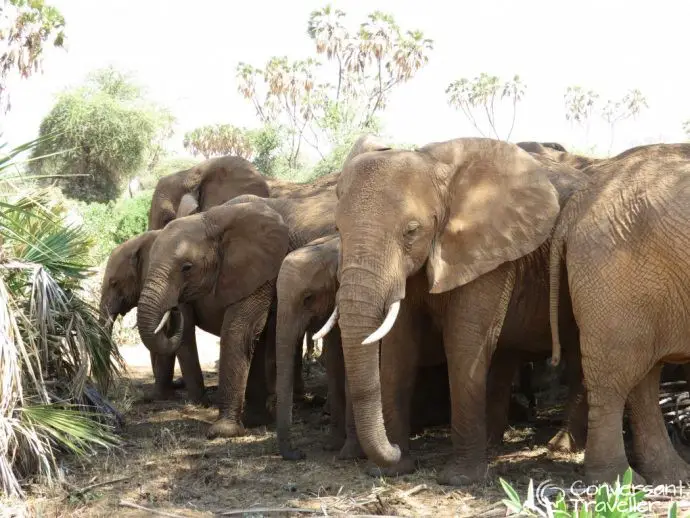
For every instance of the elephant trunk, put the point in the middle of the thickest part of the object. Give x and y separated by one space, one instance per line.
289 333
159 318
363 303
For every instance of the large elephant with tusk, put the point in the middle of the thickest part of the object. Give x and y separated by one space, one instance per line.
455 233
225 262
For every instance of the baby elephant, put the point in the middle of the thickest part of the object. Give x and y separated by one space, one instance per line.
306 288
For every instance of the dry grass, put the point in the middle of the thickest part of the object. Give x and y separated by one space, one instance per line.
169 466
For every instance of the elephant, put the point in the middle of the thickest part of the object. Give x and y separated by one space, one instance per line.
455 234
557 152
122 280
621 244
212 183
306 288
226 261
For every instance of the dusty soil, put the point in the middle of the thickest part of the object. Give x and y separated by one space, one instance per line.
166 464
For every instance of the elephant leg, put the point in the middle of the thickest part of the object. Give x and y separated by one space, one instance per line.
163 370
608 386
400 351
242 324
657 459
572 436
258 392
472 325
335 370
188 357
504 364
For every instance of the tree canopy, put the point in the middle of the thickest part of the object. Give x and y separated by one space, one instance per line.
102 133
26 26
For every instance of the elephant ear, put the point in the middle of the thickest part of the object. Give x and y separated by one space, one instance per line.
253 241
189 204
500 206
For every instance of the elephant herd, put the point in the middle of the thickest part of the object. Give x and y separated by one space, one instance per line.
431 275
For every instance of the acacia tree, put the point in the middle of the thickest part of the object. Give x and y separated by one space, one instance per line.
579 107
26 26
614 111
369 64
483 95
104 132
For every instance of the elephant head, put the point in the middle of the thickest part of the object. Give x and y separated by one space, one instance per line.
205 185
226 252
457 209
124 276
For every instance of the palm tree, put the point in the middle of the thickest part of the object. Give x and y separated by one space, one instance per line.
331 37
53 349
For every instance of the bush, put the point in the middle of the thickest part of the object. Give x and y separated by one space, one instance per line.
113 223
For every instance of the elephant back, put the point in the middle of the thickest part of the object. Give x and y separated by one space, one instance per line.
220 179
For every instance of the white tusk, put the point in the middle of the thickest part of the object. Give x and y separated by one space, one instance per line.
330 324
386 326
164 321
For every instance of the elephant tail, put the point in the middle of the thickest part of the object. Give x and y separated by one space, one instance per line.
555 261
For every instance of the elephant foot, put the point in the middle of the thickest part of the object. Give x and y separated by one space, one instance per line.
564 442
351 450
462 473
201 400
179 383
406 465
287 452
608 475
670 472
225 428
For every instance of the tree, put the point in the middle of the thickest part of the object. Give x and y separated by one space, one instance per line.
105 131
298 98
579 107
54 350
615 111
482 94
26 26
217 140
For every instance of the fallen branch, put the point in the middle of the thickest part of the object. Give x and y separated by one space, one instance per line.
268 510
79 492
125 503
414 490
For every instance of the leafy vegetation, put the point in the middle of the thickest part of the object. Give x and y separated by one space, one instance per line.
52 347
26 26
105 131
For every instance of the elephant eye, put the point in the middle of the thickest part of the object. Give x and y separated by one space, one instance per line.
412 227
308 299
186 267
113 283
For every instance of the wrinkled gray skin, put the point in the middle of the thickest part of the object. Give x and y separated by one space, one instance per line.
208 184
120 289
623 242
226 260
558 153
449 231
306 288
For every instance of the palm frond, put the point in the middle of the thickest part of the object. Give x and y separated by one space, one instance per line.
52 343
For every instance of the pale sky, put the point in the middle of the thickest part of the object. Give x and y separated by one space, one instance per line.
186 52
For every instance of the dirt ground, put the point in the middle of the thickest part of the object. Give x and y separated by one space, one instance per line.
166 464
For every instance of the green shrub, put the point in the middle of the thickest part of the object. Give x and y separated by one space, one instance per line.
112 223
132 215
